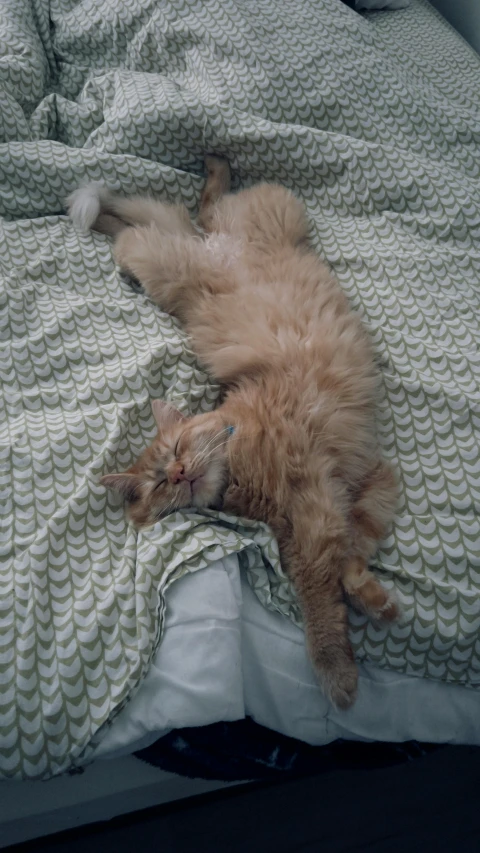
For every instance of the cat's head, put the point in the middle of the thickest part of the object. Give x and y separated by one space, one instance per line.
186 465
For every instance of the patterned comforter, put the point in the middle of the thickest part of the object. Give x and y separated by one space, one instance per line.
374 122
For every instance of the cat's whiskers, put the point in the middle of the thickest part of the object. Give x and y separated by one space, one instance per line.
223 444
168 509
171 506
214 438
199 456
203 447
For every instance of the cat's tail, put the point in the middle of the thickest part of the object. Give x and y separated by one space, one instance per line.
85 204
93 206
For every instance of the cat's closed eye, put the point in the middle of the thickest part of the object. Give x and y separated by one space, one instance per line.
159 483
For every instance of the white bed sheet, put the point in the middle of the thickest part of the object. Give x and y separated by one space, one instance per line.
224 656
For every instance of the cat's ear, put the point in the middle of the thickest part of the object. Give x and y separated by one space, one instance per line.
127 485
165 414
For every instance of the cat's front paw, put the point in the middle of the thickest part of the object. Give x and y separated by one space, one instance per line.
338 676
341 688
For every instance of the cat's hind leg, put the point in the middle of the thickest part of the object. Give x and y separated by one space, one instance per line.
217 185
94 206
176 271
267 216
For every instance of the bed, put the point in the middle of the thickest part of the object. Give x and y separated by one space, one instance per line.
110 639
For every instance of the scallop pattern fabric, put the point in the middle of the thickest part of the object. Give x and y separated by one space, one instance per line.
374 122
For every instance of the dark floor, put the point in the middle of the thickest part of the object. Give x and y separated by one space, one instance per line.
430 804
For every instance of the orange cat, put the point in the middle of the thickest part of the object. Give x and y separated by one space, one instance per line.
293 443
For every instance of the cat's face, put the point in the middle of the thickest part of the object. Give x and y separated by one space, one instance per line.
186 465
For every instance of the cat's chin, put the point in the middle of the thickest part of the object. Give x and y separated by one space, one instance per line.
208 490
206 498
197 487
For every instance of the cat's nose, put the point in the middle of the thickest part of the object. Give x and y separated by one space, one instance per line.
178 475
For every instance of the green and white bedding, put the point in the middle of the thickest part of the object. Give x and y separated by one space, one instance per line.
375 123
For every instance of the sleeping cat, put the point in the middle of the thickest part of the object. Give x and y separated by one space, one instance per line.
293 442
